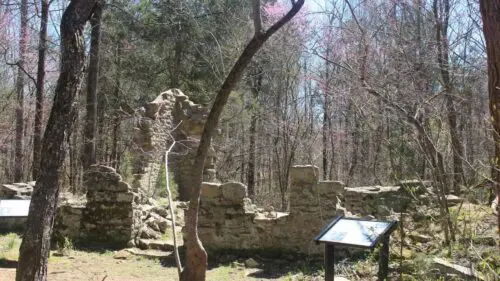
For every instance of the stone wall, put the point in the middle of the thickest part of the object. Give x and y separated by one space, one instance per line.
377 201
68 221
312 205
110 213
154 132
229 220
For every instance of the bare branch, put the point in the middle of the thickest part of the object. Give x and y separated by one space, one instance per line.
22 69
348 69
286 18
354 17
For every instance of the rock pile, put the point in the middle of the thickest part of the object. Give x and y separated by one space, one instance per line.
155 227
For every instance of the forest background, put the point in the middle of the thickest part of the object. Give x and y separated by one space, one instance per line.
372 92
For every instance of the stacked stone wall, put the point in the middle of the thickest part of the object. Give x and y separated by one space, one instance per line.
68 221
377 201
170 116
118 213
110 214
312 205
229 220
151 137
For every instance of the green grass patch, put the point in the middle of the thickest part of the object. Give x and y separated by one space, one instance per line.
9 246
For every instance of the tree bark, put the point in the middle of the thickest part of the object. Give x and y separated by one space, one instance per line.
90 130
490 12
40 85
255 89
23 42
33 254
196 256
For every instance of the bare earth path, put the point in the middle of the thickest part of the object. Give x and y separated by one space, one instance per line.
92 266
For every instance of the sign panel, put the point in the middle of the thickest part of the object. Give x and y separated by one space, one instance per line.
354 232
14 208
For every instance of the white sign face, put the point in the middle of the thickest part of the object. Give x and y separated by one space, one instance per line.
355 232
14 208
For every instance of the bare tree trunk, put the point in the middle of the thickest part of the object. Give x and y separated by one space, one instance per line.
176 67
23 41
256 87
326 116
40 85
33 254
490 12
441 9
356 135
196 256
324 151
116 119
90 129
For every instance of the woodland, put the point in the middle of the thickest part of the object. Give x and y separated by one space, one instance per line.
372 92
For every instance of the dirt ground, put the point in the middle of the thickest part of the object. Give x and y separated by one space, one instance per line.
476 228
94 266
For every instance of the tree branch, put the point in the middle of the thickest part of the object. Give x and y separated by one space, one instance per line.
354 17
286 18
22 69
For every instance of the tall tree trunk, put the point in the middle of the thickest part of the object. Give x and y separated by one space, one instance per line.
89 135
33 254
490 12
23 42
326 130
441 9
177 66
116 119
324 151
40 85
256 88
196 256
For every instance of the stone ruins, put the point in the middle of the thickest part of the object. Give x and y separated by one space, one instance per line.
114 212
229 220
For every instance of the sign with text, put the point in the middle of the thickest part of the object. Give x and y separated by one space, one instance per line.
354 232
14 208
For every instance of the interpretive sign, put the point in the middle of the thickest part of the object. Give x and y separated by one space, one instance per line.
354 232
359 233
14 208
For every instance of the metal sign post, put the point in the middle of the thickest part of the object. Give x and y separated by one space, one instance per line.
329 262
357 233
